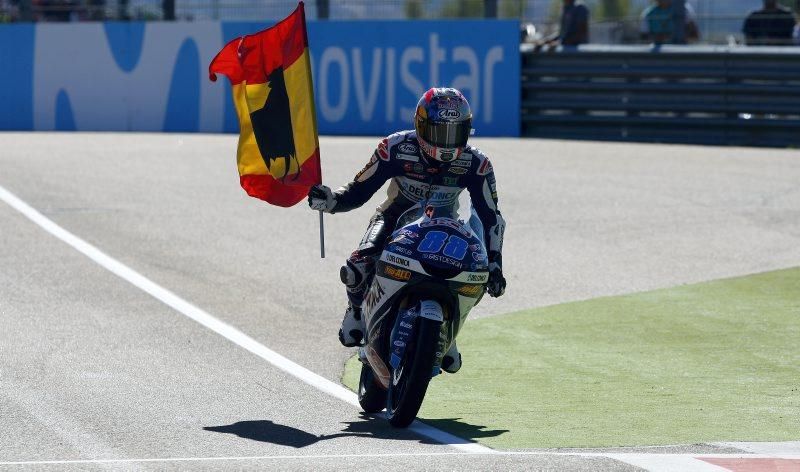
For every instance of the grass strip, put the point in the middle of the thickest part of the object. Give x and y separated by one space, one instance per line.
716 361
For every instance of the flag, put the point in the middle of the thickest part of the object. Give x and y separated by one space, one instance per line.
270 75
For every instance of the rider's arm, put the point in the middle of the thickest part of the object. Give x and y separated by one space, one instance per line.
483 193
364 185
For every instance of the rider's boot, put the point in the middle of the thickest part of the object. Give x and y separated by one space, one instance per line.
452 359
353 328
356 275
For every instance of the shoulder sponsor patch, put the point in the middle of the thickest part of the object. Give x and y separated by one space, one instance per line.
383 152
485 168
457 170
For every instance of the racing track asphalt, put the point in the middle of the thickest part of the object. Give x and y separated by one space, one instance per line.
93 368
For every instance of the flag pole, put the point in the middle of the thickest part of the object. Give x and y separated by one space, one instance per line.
302 8
321 236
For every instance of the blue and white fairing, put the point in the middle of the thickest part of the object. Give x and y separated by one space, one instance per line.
432 255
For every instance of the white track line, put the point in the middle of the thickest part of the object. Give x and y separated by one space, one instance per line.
651 461
783 447
223 329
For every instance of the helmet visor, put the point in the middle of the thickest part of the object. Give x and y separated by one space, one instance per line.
446 134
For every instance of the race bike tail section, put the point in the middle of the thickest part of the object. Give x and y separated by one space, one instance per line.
431 273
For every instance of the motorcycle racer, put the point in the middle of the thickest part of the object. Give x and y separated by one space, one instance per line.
432 162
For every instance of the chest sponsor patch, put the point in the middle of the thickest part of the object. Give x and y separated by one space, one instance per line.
450 180
408 148
407 157
458 170
461 163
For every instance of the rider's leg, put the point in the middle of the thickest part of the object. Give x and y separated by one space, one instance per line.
357 273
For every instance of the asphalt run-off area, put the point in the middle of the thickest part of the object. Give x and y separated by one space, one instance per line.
155 317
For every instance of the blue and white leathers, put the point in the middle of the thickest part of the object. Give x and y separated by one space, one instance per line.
414 178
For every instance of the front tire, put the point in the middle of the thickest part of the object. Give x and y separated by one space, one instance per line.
410 381
371 396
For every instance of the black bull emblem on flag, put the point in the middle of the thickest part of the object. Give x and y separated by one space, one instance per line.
272 127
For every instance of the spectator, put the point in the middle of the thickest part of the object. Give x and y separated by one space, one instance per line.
773 25
658 23
96 10
574 28
6 15
57 10
527 33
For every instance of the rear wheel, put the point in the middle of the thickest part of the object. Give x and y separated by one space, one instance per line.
409 382
371 396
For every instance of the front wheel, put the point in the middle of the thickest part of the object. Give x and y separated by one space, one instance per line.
371 396
409 382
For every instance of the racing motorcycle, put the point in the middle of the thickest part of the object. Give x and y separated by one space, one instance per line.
432 271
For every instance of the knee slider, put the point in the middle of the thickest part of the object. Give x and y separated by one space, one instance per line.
354 273
349 275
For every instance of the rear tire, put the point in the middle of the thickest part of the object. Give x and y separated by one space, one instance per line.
371 396
410 382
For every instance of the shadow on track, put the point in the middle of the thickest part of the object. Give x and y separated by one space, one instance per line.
369 427
464 430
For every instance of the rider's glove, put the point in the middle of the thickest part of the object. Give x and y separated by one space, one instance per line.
496 285
321 198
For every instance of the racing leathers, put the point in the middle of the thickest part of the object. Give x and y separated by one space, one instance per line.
415 177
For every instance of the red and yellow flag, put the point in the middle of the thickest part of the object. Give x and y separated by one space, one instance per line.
270 73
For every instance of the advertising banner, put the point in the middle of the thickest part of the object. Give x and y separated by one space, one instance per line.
368 75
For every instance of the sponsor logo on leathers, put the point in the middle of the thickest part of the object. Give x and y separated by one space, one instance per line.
372 161
383 153
485 168
407 148
458 170
435 196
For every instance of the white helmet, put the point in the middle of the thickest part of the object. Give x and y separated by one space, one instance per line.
443 121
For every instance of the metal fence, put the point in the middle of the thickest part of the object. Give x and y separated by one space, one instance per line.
267 10
718 21
686 94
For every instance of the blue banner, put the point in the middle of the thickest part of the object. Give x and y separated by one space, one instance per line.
368 75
